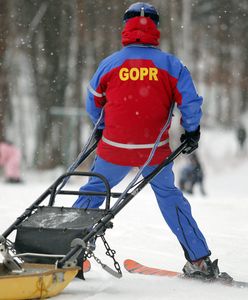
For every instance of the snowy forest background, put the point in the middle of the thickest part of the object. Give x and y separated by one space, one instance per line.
50 48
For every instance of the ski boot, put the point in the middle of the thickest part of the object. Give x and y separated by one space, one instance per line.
202 269
206 270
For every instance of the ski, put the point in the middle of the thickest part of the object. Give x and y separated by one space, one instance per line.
86 266
135 267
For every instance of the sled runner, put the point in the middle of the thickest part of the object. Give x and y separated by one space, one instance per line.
48 245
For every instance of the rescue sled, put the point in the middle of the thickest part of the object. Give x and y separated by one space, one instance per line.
34 281
46 247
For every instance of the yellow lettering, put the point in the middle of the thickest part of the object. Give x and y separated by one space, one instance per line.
134 73
153 72
124 74
138 74
143 73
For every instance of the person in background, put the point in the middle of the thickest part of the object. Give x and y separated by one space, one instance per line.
192 175
10 161
241 136
137 88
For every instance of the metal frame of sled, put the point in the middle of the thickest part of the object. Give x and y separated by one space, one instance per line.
49 254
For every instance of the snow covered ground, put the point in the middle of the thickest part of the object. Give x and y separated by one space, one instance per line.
141 233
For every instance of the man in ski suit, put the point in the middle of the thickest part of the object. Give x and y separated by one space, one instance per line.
136 87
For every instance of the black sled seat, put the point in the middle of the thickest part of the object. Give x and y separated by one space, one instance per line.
44 230
50 230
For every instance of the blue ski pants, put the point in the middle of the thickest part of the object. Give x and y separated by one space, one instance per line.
174 207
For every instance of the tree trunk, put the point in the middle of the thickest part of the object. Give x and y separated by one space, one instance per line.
187 35
4 95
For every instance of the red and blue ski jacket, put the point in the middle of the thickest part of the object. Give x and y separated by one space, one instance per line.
137 86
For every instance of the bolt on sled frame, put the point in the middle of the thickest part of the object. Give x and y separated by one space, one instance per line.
52 243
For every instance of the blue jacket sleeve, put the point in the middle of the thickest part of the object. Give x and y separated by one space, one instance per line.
191 102
95 98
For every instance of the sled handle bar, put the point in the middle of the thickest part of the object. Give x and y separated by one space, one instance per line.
28 211
55 191
122 203
82 156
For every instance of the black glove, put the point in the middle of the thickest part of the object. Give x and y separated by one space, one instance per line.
192 138
98 134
